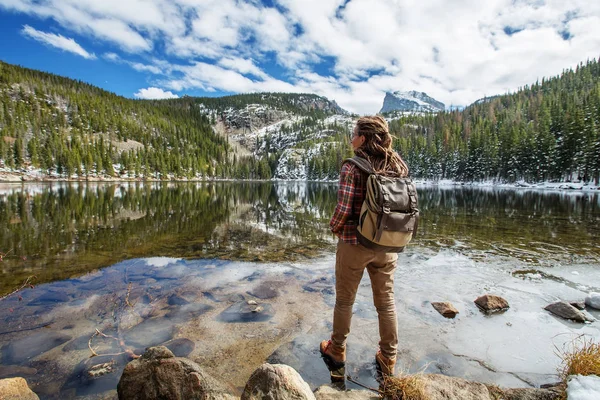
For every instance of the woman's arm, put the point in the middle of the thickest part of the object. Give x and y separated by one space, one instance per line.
343 209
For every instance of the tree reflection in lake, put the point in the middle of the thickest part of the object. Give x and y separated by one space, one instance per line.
65 230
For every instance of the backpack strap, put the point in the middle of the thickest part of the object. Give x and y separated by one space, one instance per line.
361 163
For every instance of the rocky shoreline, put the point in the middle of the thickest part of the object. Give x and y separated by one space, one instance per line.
159 374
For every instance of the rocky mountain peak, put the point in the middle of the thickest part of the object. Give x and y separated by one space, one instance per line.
412 102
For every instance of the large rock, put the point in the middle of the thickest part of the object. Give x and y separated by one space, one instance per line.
16 389
441 387
445 308
567 311
490 303
31 346
530 394
327 392
158 374
593 300
276 381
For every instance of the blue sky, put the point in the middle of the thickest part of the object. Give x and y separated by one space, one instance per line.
350 51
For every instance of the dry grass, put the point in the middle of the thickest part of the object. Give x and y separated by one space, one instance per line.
580 357
403 387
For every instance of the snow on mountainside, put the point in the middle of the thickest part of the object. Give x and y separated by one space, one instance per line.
410 102
294 137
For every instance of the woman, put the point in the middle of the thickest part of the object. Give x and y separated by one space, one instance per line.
372 141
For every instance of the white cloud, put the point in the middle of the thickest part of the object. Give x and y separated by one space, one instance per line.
352 51
154 69
154 93
58 41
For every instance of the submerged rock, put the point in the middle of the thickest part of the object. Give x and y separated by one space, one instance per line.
180 347
266 290
244 312
96 375
188 311
49 298
158 374
176 300
593 300
445 308
10 371
16 389
323 285
24 349
490 303
276 381
567 311
151 332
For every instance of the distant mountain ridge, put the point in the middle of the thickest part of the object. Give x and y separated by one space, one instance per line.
413 102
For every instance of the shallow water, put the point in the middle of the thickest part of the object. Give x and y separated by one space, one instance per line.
232 275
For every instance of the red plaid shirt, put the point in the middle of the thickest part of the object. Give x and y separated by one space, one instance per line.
351 194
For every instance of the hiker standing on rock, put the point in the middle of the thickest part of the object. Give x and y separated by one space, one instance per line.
371 141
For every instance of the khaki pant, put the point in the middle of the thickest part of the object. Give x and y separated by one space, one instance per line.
350 263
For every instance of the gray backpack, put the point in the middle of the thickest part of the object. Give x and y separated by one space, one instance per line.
389 215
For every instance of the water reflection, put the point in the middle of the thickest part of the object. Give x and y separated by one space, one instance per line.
57 231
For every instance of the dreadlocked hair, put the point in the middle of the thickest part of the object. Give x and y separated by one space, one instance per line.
377 148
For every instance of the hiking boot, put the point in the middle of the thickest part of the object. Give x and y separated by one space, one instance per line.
385 365
334 357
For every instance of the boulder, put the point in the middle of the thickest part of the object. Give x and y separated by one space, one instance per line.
593 300
16 389
567 311
445 308
327 392
441 387
158 374
276 381
490 303
530 394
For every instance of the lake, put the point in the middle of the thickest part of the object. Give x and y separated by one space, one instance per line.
235 274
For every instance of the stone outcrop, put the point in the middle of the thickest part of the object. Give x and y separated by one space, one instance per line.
158 374
490 303
16 389
567 311
445 308
276 381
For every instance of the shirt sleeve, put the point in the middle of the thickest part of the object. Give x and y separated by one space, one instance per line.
345 196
